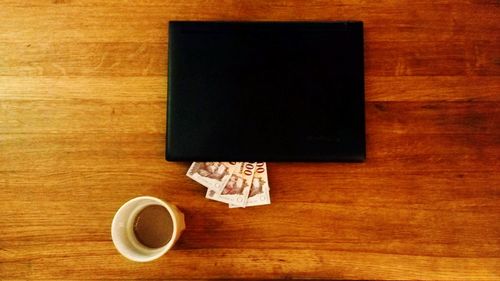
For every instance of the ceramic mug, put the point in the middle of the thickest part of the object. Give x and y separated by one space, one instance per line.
122 232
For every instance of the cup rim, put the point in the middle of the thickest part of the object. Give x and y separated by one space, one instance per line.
165 248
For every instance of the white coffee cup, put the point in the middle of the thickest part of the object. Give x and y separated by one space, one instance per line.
122 232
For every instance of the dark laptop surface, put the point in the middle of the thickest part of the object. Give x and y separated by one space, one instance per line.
265 91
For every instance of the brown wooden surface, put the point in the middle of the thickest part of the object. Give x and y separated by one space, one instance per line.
82 125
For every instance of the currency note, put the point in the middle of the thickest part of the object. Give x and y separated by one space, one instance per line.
259 189
237 188
212 175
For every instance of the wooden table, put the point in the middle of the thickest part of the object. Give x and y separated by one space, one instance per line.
82 130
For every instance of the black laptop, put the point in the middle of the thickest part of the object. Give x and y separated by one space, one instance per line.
265 91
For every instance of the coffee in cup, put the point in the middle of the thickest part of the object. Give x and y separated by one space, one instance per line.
146 227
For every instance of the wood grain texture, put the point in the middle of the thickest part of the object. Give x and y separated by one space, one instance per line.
82 125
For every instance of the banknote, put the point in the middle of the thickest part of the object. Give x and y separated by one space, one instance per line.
212 175
237 188
259 189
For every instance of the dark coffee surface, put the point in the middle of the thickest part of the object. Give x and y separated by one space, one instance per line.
153 226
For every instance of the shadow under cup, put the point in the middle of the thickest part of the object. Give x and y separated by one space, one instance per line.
122 232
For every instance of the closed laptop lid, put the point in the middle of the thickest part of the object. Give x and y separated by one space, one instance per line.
265 91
